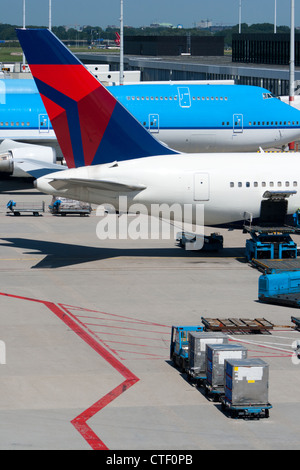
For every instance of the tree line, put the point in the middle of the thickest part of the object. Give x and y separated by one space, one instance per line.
92 33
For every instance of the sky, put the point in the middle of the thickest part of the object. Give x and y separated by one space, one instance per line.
143 13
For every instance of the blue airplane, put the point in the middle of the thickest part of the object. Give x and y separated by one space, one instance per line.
188 117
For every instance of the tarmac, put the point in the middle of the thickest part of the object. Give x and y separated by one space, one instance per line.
86 327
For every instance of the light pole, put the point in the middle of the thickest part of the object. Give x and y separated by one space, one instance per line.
275 18
24 8
292 53
121 45
292 62
240 16
50 16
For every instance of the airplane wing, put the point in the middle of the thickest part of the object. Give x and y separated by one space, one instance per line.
101 185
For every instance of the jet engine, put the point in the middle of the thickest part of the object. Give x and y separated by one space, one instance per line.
13 152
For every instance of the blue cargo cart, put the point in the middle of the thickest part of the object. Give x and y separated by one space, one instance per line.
245 411
16 208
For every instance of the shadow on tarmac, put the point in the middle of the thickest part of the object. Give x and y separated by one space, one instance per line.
58 255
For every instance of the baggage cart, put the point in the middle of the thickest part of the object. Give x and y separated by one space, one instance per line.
196 368
216 354
63 206
16 208
246 388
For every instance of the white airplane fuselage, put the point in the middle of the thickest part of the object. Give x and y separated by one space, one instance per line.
230 188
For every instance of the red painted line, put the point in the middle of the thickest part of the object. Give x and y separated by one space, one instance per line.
80 422
121 328
70 307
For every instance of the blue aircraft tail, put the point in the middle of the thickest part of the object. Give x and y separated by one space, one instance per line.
91 126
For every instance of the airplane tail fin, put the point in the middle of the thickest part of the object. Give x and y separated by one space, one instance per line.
91 126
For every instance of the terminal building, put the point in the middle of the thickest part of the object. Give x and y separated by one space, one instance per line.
264 48
272 76
174 45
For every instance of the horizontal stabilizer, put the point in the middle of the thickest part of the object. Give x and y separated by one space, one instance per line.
100 185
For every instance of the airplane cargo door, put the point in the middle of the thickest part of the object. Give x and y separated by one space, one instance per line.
43 123
237 123
201 187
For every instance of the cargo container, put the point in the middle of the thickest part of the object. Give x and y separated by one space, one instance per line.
246 388
196 369
216 354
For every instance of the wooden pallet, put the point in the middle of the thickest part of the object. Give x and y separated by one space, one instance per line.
238 325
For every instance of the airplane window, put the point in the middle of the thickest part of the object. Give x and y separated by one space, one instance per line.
287 183
133 97
267 123
254 124
271 184
226 98
171 98
142 98
147 98
28 123
217 98
128 98
289 123
232 185
17 124
203 98
255 184
240 184
250 123
212 98
6 123
263 184
295 183
247 184
175 97
207 98
279 183
194 98
138 98
151 98
227 123
1 124
221 98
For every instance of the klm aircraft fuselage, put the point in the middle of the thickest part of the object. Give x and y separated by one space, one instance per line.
186 117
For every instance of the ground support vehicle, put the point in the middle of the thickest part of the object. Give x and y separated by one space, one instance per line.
16 208
179 345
